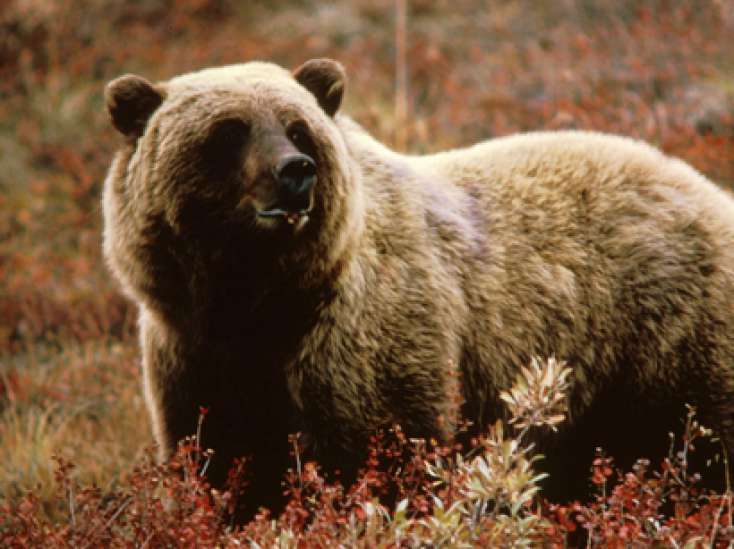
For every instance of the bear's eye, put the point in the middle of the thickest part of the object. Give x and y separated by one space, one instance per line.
230 132
225 143
299 135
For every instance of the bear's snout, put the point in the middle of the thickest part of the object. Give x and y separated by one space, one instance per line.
295 175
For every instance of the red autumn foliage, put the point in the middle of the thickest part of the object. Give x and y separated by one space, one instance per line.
172 505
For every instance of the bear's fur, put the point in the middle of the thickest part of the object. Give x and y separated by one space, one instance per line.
597 249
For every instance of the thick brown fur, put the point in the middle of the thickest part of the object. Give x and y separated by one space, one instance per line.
597 249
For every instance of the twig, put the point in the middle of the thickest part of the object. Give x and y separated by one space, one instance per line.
109 522
297 454
401 79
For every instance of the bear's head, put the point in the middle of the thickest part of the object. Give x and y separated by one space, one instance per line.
247 154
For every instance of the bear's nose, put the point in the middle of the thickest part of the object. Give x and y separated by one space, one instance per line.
295 174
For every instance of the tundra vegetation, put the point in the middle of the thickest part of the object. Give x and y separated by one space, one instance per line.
75 444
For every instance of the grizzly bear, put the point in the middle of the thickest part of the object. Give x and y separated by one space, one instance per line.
294 274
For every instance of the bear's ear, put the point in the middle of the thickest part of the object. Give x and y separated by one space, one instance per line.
325 79
131 100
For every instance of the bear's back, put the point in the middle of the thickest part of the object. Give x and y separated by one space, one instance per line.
594 243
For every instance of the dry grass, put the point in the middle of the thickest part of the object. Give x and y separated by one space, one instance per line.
82 403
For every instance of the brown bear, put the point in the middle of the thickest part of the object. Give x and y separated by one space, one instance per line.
293 274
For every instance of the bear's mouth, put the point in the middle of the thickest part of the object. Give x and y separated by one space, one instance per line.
297 218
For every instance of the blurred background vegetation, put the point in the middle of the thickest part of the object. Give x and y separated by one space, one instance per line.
659 70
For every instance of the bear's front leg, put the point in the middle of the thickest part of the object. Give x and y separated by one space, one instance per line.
245 417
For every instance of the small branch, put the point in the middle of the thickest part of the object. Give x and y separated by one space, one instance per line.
90 538
401 78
